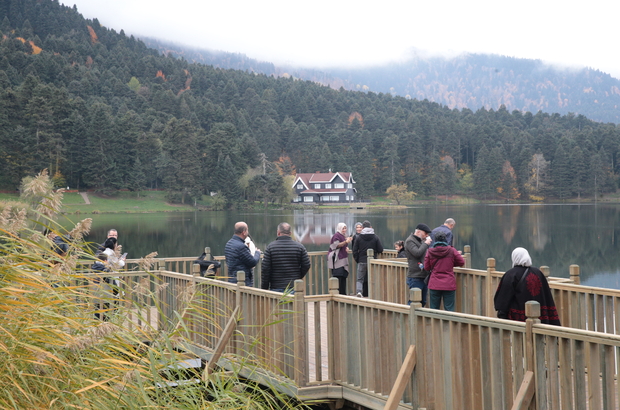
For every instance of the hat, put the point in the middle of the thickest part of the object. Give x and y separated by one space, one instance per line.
423 227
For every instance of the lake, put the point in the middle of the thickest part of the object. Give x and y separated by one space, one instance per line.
556 235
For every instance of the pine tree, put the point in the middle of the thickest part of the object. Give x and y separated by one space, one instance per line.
561 172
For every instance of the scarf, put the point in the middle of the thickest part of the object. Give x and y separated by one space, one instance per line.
342 252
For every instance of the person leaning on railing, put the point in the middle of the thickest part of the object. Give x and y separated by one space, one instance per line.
521 284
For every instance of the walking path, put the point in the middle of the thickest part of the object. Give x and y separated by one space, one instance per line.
85 196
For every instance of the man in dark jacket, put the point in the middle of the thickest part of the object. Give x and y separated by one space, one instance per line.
238 256
366 240
446 228
284 262
416 246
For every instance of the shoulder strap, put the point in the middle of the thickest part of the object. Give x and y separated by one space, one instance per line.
523 277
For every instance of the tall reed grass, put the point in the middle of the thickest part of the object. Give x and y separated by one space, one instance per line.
56 354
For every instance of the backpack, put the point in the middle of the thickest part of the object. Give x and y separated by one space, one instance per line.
207 267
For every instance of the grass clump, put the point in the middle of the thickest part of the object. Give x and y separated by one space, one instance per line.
56 354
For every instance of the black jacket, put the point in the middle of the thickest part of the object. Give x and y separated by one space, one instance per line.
284 261
366 240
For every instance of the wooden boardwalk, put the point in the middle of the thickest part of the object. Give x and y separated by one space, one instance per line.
346 348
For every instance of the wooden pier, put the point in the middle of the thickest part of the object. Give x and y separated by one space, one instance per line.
379 352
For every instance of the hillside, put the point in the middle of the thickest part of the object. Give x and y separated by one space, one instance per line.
468 81
103 111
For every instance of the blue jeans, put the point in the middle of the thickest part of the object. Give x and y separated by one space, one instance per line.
448 297
418 283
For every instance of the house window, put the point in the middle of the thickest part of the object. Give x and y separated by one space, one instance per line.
338 186
349 185
300 186
308 199
317 186
334 198
324 198
328 186
298 199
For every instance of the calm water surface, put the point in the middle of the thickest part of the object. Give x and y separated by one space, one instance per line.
555 235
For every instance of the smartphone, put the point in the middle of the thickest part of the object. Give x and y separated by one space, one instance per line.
124 256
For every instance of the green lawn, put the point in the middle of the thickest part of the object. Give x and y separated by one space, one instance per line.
122 202
9 197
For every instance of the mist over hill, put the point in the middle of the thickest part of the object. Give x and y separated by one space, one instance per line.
466 81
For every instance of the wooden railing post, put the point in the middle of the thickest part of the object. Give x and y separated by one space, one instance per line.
418 381
332 284
237 342
532 312
467 256
301 340
331 351
546 271
574 271
490 292
372 289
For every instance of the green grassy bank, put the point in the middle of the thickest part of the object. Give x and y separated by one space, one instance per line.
155 201
121 202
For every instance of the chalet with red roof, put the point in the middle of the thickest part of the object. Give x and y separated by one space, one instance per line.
324 187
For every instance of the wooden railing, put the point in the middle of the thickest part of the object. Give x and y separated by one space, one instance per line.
580 307
463 360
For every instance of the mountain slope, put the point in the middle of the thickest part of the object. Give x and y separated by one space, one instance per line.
468 81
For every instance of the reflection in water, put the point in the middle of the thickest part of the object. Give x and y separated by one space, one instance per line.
555 235
318 228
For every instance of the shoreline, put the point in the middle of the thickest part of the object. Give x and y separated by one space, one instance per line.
156 201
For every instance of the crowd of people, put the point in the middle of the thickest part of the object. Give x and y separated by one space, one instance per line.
430 254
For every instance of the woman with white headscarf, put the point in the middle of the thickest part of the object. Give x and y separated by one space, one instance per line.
521 284
338 257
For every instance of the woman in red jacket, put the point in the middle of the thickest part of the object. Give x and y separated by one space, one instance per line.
440 261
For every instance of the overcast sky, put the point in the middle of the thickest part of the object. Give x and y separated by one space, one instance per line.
324 33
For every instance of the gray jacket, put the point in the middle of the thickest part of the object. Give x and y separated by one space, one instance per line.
415 249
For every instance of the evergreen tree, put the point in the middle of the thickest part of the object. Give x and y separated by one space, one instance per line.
561 173
482 178
363 175
180 144
579 175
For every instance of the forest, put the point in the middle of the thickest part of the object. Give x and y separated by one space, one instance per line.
101 111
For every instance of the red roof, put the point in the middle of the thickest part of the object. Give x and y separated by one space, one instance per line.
323 177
